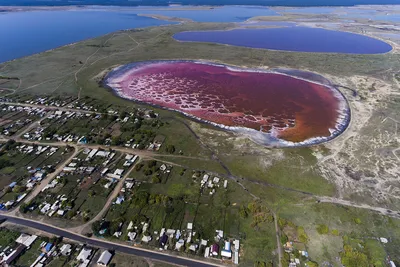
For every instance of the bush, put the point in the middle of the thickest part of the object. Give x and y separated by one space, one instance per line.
156 179
353 258
148 172
243 212
303 237
322 229
335 232
357 220
284 238
170 149
312 264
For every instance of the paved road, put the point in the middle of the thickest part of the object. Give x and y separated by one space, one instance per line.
106 244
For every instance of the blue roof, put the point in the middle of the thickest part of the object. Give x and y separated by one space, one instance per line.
48 246
13 184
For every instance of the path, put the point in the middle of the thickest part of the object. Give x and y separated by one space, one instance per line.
278 239
383 211
50 177
80 229
36 123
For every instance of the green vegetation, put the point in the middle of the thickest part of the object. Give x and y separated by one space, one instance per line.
323 229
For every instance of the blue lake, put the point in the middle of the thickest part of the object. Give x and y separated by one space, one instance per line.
218 14
299 39
27 33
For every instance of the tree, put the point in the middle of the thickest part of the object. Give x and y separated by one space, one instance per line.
139 166
322 229
151 163
96 226
353 258
312 264
243 212
19 189
23 207
170 149
303 237
116 140
156 179
123 115
284 238
148 172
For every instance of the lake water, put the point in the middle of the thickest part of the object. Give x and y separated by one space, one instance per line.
27 33
218 14
270 108
300 39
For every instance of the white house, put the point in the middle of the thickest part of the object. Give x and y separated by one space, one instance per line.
105 258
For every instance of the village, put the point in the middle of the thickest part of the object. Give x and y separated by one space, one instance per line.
111 173
22 249
79 192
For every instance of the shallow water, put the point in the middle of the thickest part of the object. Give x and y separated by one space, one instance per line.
272 108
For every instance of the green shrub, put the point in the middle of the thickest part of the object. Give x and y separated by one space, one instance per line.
322 229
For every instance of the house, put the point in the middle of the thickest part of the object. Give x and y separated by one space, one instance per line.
236 245
132 236
226 252
146 239
207 252
45 208
214 249
236 257
84 255
48 247
13 255
193 247
65 249
190 226
26 240
105 258
103 154
130 226
383 240
119 200
163 240
179 244
220 234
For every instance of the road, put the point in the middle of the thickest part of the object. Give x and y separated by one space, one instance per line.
106 244
111 197
49 177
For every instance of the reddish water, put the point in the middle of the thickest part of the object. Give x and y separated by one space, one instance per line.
289 108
